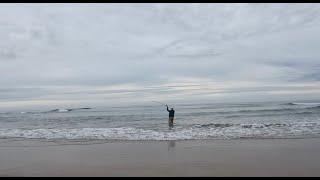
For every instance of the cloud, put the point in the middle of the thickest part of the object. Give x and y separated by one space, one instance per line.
54 52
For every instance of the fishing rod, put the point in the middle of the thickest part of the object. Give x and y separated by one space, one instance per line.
160 103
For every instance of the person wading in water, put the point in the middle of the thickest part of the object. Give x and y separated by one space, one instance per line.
171 116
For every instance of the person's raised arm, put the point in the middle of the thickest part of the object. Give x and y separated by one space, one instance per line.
167 108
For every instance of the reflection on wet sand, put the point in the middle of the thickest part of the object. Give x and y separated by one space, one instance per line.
171 145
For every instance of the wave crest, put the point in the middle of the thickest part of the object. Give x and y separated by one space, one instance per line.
204 131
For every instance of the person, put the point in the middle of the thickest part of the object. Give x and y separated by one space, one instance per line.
171 116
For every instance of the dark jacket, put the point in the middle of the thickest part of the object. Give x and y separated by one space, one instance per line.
171 112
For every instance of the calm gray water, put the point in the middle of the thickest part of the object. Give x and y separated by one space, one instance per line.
201 121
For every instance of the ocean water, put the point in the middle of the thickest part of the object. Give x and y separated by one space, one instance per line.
192 122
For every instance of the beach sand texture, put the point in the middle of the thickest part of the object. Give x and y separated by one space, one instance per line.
259 157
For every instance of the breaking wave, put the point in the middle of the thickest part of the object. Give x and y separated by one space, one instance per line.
304 104
194 132
56 111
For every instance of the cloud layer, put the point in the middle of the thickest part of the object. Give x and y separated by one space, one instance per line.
126 53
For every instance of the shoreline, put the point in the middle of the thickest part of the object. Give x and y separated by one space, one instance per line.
247 157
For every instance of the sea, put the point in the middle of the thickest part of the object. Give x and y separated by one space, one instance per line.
150 122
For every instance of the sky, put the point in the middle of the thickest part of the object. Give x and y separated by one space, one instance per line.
71 55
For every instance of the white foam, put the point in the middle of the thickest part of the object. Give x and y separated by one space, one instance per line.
63 110
129 133
307 104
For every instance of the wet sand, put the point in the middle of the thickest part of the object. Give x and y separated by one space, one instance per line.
271 157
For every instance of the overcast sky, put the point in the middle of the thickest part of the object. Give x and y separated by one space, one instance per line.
112 54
